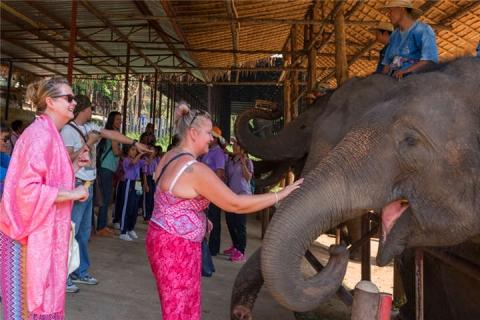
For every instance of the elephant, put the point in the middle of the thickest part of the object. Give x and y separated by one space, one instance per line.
414 155
304 141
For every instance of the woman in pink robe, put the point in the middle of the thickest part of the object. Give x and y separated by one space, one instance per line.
36 208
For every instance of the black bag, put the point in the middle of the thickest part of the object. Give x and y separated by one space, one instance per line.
207 263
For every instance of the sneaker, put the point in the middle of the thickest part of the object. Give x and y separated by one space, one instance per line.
88 279
229 251
116 226
125 237
237 256
132 234
71 287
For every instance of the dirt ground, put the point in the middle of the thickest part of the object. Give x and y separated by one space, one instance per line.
127 290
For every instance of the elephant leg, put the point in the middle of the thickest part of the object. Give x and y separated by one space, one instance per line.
245 289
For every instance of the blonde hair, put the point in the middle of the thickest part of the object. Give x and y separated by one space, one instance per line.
39 91
188 118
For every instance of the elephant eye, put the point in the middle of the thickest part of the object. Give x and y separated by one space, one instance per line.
303 126
410 141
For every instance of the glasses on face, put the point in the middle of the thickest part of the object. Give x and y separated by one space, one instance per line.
197 113
68 97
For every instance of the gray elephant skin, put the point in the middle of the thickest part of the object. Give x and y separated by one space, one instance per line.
420 144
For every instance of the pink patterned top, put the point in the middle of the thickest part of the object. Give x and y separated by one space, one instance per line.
181 217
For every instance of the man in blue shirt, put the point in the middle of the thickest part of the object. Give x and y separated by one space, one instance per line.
412 44
382 32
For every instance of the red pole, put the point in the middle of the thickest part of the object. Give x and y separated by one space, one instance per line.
73 39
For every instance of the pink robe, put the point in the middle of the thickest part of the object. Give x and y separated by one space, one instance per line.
40 166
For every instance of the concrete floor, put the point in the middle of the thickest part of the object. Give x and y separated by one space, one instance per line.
127 290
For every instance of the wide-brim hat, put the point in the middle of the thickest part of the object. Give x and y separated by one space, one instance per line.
382 26
402 4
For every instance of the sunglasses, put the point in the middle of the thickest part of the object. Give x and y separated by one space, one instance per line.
197 113
68 97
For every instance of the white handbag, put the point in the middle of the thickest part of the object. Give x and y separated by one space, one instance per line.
73 251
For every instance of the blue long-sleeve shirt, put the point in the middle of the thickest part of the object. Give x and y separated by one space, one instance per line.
410 46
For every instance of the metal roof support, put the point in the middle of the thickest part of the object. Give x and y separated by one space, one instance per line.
41 53
73 37
125 96
117 31
53 71
40 35
153 96
9 85
66 26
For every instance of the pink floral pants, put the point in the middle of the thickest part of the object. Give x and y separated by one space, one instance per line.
176 265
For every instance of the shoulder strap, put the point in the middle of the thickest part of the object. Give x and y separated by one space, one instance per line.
170 161
185 166
78 130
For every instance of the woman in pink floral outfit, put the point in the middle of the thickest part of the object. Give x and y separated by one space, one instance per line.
185 187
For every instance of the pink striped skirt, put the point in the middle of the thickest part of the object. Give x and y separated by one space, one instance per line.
176 265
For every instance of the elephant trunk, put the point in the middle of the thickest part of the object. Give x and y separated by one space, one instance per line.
289 144
331 194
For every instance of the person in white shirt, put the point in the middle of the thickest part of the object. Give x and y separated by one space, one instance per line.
78 135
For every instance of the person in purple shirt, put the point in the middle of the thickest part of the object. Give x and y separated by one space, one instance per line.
238 172
215 160
132 189
151 162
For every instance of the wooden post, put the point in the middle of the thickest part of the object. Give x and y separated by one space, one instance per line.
9 85
153 109
366 272
125 97
172 112
294 74
418 284
366 300
312 54
341 64
73 39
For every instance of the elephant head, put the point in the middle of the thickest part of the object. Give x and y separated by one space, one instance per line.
421 145
291 143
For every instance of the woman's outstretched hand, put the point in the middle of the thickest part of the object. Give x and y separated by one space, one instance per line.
291 187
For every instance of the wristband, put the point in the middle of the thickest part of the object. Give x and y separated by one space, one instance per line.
276 198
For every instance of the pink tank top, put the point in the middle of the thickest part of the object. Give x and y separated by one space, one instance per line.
181 217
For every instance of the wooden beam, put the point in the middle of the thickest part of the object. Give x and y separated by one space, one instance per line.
234 28
166 4
341 64
144 9
246 21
